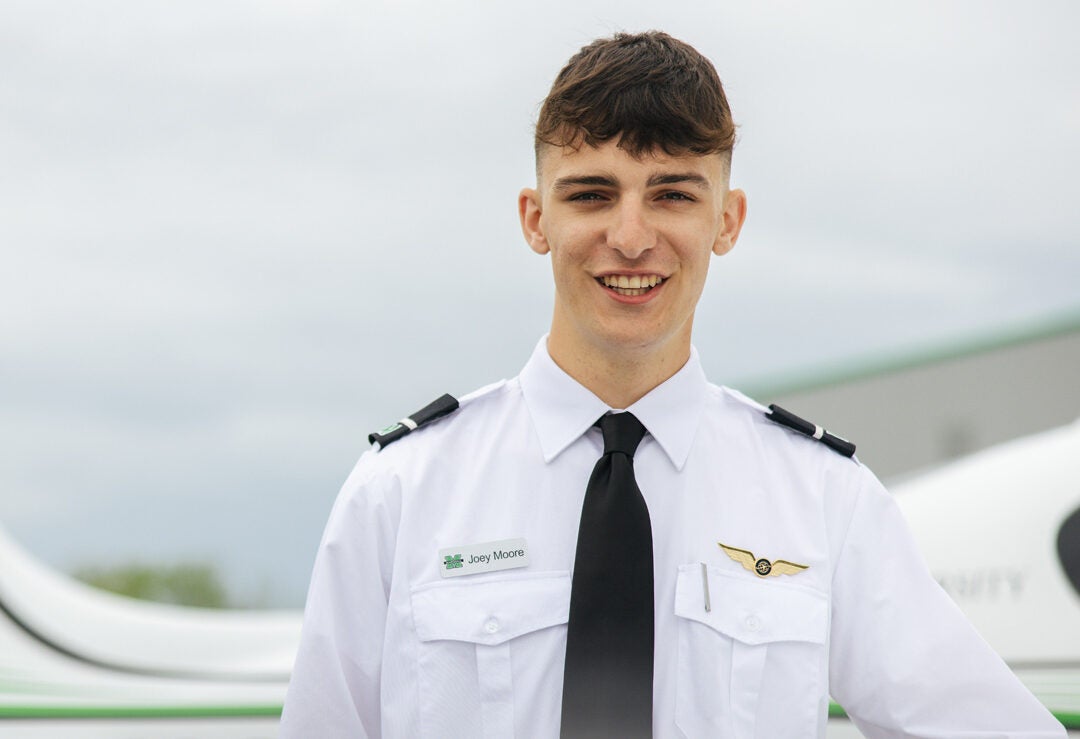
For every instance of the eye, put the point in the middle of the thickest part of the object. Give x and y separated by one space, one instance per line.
585 196
676 195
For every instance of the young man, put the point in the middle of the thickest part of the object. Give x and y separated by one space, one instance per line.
608 545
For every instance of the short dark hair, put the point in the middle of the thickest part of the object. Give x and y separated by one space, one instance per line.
644 90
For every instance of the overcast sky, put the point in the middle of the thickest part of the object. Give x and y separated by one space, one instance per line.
237 236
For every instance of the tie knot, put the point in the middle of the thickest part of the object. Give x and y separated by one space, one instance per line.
622 433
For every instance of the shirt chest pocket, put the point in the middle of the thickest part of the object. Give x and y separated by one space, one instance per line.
482 641
755 663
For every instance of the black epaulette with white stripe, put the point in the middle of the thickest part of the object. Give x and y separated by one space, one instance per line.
437 409
789 419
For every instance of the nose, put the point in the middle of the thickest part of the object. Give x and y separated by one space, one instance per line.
630 232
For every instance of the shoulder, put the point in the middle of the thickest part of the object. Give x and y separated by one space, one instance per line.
444 413
416 440
777 423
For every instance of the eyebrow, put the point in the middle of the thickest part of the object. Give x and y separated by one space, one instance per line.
600 180
677 178
592 180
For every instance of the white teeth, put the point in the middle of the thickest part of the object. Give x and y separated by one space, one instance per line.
632 282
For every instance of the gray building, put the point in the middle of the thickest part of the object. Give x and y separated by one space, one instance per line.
937 405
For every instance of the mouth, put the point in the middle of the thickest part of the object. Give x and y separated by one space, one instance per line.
630 285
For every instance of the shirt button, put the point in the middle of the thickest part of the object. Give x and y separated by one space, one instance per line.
491 626
753 623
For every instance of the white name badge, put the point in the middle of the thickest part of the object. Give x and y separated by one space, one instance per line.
472 559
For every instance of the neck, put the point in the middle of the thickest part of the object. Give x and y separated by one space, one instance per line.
620 377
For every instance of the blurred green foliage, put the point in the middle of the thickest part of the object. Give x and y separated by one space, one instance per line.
180 584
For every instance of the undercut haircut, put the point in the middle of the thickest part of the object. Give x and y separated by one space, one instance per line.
646 91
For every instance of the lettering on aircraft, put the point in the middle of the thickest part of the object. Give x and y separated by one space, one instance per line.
984 584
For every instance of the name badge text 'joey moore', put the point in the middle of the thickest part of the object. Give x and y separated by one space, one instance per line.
472 559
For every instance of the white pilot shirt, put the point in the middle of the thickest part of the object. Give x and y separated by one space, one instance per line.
392 648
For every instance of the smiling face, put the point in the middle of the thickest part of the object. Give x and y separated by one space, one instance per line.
630 242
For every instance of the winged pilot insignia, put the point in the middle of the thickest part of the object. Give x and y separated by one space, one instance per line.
761 566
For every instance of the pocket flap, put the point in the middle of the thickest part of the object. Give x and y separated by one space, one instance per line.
491 611
753 611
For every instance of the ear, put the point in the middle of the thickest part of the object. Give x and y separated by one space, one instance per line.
733 218
529 213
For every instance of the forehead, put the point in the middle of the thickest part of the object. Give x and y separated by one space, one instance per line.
615 163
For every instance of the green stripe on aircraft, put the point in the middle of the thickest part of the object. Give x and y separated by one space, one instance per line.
137 712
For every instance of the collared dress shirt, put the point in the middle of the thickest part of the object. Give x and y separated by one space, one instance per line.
393 647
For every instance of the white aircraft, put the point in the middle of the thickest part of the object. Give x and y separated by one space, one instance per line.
1000 530
79 662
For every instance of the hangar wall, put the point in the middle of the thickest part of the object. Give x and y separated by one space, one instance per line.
926 409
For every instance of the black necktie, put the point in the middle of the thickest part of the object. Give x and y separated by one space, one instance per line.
608 680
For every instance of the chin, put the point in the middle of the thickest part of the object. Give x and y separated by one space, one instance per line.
632 339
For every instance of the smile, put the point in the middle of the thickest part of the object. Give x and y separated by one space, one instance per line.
630 285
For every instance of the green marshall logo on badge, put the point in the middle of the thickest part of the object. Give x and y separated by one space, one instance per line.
453 562
388 429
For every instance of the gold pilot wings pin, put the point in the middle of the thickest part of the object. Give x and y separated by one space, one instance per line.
761 566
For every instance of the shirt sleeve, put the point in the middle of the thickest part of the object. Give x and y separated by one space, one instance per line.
334 690
904 660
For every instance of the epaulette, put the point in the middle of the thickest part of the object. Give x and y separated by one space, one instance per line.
437 409
789 419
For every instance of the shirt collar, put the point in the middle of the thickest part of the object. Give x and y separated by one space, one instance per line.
562 409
